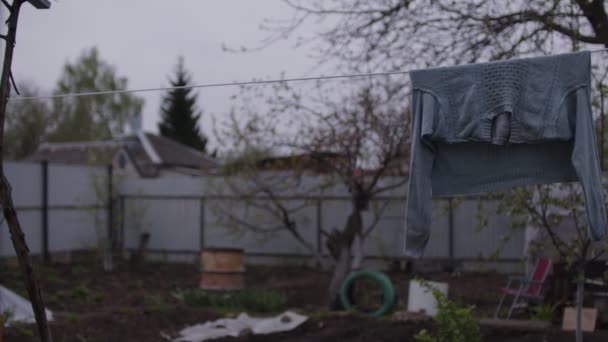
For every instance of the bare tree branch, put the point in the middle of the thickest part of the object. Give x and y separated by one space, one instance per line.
7 5
8 208
377 217
13 83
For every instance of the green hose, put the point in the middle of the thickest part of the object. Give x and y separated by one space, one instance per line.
379 278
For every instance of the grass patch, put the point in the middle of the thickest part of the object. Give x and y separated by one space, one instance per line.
248 300
72 317
83 292
156 302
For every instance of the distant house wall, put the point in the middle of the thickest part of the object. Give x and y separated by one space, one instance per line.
128 168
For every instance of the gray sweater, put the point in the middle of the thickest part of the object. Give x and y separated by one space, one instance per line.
491 126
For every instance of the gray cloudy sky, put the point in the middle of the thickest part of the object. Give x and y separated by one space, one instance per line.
143 38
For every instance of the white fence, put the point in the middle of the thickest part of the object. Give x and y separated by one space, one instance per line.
185 215
182 215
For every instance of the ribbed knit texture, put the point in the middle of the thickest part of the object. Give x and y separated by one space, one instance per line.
491 126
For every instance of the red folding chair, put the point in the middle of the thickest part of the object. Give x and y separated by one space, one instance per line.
529 289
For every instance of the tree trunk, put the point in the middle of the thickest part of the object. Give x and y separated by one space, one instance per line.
140 256
357 252
8 208
343 244
107 260
341 270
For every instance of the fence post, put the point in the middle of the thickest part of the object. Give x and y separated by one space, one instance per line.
319 225
110 205
123 214
109 245
451 229
44 211
202 223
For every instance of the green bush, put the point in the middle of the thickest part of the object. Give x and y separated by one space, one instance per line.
543 312
250 300
5 316
457 323
155 301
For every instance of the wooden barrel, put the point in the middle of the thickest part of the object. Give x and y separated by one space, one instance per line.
222 269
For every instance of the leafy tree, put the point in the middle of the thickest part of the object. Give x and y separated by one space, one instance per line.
91 117
558 211
26 124
179 113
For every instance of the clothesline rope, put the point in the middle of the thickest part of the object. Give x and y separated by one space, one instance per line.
218 85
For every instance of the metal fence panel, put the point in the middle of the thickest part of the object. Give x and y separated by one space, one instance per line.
77 185
169 208
76 229
26 181
232 233
173 224
473 241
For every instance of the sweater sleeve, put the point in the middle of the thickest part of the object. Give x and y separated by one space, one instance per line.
419 199
586 163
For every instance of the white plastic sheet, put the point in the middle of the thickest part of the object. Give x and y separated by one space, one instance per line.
19 308
243 324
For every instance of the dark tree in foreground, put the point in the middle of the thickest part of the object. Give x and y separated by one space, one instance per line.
6 198
179 114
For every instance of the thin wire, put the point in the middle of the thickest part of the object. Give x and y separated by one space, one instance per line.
217 85
211 85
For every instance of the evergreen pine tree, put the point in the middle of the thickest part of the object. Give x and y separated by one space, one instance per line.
179 114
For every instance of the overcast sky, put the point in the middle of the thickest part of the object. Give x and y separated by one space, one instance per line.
143 39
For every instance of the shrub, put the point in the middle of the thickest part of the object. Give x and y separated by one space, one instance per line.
457 323
543 312
250 300
6 315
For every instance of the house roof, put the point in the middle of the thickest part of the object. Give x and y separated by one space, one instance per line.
90 152
148 152
172 153
319 162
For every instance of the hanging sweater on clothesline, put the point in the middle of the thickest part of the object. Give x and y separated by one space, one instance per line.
491 126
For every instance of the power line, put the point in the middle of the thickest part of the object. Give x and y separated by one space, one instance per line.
217 85
210 85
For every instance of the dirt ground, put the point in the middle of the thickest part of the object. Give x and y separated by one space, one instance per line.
136 304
